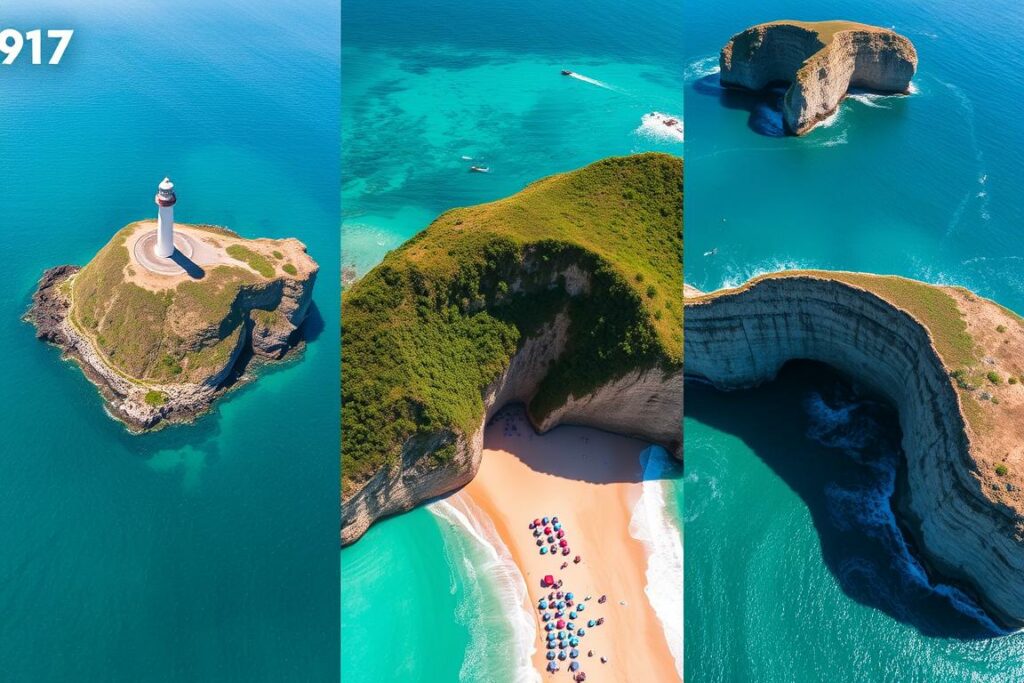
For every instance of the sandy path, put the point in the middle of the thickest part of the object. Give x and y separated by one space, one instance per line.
589 479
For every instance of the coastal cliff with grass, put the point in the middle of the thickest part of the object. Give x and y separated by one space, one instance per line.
819 62
161 347
565 297
951 362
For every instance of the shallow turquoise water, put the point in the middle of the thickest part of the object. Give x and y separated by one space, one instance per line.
205 552
793 570
422 90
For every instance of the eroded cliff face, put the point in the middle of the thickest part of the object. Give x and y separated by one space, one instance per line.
741 338
267 318
645 403
820 61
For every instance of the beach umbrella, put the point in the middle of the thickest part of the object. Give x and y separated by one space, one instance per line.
536 533
582 632
551 636
543 604
556 526
561 623
554 520
561 604
552 667
591 623
568 603
562 656
548 626
540 541
571 626
565 551
580 608
570 596
554 548
548 580
547 615
574 653
574 666
600 621
544 550
561 635
545 520
551 539
574 641
547 530
563 543
536 522
551 655
572 615
560 533
576 560
559 613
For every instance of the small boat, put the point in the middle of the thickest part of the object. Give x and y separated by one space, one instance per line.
479 169
713 252
566 72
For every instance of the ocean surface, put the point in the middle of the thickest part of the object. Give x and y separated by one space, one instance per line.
204 552
795 569
426 95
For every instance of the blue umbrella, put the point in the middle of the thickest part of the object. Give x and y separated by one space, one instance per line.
580 608
551 655
574 666
574 653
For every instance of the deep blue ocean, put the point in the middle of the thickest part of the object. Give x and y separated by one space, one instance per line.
204 552
425 87
795 569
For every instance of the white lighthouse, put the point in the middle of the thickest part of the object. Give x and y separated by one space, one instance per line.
165 199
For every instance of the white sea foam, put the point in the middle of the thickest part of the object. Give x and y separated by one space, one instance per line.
509 589
652 524
870 508
701 68
661 127
737 276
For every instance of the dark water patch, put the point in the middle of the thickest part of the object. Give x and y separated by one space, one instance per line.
839 450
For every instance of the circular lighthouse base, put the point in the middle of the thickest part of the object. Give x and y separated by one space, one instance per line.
146 256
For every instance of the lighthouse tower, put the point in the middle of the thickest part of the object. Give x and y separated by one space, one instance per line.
165 199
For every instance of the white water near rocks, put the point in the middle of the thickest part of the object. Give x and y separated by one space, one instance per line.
488 557
653 524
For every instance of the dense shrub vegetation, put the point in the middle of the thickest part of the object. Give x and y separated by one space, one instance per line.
440 318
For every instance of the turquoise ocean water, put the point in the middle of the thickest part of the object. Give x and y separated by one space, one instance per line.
422 89
795 570
203 552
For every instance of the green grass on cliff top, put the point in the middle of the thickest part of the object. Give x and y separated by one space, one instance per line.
440 318
174 335
929 304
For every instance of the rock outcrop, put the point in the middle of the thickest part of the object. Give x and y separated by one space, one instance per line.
963 504
820 62
186 355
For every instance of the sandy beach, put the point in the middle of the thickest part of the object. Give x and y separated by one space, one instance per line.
590 480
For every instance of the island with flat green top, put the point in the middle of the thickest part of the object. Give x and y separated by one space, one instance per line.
566 297
162 338
951 362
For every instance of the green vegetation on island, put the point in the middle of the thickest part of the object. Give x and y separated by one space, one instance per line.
428 329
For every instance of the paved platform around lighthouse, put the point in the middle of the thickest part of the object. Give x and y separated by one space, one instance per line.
177 264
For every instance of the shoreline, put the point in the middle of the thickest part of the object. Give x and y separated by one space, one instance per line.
593 481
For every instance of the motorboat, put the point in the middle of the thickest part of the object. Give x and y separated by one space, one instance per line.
566 72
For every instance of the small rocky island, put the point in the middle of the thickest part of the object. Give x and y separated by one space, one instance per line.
820 61
951 362
566 297
163 336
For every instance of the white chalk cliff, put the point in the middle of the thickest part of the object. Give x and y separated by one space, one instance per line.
820 61
968 523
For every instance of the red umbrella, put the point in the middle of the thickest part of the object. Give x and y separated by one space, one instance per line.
563 543
560 533
560 624
549 580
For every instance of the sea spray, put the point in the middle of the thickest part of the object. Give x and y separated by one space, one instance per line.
653 524
492 560
849 426
661 127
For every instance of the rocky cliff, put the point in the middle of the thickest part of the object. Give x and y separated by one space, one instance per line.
161 348
820 62
564 297
949 361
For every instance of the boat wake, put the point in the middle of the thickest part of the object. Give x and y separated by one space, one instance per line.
492 561
594 81
701 68
661 127
653 524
